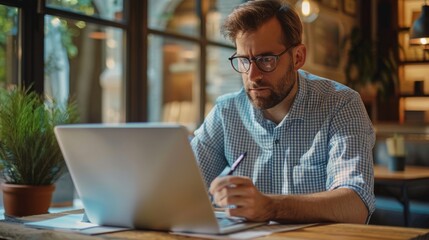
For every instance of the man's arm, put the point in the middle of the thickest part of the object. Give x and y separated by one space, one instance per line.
339 205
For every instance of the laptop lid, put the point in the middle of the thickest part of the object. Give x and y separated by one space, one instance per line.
139 175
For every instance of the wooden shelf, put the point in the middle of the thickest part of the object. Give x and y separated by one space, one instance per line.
414 62
404 29
413 96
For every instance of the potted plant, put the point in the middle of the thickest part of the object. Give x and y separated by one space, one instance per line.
367 71
30 158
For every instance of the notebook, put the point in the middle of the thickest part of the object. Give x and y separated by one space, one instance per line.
142 176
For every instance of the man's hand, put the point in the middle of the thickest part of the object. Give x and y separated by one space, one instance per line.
338 205
240 191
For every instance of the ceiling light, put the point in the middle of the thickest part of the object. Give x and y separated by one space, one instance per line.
420 29
308 10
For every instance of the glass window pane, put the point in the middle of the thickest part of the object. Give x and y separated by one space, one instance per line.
106 9
173 74
9 36
219 10
85 62
221 77
174 16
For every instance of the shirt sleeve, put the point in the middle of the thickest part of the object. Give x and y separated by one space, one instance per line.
208 146
351 141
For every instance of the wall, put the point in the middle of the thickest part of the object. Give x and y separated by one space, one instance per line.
324 38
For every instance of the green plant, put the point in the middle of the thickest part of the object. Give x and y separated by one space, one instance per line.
29 152
366 66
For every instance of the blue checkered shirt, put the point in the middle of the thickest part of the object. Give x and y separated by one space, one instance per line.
324 142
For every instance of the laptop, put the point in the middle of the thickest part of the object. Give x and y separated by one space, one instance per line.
142 176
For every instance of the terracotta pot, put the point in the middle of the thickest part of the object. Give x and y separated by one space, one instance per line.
25 200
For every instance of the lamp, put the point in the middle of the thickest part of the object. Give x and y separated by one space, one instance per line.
308 10
420 29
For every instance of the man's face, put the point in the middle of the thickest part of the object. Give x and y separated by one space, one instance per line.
266 89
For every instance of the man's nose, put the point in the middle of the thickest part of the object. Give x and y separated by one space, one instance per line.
254 74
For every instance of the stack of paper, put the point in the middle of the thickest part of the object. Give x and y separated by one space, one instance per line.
74 223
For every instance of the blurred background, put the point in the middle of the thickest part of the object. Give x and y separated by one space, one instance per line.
166 61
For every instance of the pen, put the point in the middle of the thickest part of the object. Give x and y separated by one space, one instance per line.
236 163
231 170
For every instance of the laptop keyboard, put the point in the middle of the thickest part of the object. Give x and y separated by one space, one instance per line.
225 221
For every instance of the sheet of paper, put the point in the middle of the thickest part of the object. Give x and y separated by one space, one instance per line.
261 231
73 222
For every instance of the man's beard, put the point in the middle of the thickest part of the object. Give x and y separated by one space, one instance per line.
277 94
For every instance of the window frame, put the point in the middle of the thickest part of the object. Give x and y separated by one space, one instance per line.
204 43
137 32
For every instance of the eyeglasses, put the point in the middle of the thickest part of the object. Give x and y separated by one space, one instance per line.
265 63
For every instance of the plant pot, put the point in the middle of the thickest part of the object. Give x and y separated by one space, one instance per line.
25 200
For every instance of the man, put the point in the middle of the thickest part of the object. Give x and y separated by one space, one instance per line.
308 139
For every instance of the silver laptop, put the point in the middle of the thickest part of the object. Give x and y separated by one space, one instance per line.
141 176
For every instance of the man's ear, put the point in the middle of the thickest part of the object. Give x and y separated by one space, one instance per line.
300 53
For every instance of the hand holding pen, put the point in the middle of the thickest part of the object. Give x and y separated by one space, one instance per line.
231 171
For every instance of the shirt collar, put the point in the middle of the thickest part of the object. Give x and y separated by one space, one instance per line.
297 111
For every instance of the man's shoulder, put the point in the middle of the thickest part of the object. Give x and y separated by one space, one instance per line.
327 88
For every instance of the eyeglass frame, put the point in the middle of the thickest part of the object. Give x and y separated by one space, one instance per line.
254 59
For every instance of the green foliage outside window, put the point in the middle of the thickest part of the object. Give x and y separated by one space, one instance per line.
67 30
82 6
9 28
8 21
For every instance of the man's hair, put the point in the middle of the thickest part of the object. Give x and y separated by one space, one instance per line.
249 16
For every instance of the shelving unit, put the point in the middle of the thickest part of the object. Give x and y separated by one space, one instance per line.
413 66
414 62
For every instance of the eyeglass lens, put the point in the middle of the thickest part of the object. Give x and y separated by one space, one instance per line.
264 63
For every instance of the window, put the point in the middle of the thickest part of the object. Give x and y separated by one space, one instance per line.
84 62
174 16
188 65
9 38
173 76
84 58
106 9
221 78
72 50
121 60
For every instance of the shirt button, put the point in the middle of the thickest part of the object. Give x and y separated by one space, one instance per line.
277 141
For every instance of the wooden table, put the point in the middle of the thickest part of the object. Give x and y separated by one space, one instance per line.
411 176
321 231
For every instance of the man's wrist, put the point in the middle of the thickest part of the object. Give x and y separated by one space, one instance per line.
274 207
281 208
